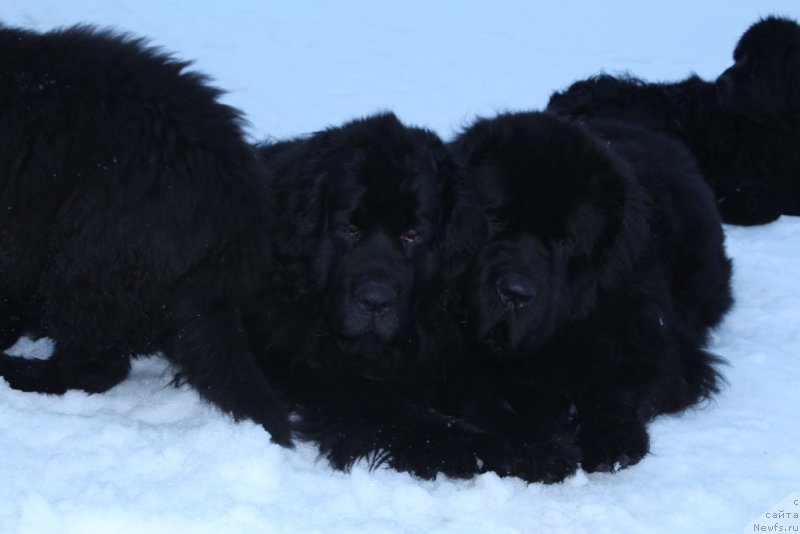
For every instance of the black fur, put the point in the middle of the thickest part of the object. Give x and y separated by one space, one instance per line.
590 304
132 220
744 129
372 223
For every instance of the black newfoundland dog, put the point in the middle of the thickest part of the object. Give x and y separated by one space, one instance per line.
133 220
357 332
743 130
590 304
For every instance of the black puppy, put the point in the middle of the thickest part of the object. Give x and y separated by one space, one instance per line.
743 130
372 223
133 220
590 304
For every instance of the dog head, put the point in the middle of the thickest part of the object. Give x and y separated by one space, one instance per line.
764 81
562 212
363 213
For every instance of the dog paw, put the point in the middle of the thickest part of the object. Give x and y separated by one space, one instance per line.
548 461
455 455
613 447
745 206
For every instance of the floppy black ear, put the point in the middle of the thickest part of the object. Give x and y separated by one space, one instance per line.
791 75
623 232
475 142
298 185
616 206
464 228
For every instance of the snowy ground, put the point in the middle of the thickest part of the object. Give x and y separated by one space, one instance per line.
145 457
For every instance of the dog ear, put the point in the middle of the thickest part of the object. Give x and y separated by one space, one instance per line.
298 185
463 222
791 75
623 234
475 142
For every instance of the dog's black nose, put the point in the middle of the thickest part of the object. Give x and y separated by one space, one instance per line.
375 297
516 290
725 84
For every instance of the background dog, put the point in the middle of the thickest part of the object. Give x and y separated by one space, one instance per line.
743 129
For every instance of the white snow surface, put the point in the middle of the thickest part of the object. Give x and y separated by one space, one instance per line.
147 457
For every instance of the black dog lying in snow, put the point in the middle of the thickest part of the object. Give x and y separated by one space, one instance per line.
590 303
744 129
132 220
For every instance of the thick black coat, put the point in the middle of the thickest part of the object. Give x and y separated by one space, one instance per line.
132 220
372 223
590 303
743 129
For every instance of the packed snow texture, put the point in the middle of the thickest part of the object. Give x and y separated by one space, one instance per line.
147 457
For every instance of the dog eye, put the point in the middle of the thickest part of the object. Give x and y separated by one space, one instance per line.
410 236
352 231
496 226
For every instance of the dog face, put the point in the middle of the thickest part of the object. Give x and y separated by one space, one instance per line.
361 234
376 247
559 226
764 80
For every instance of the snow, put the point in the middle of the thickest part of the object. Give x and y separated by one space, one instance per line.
146 457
